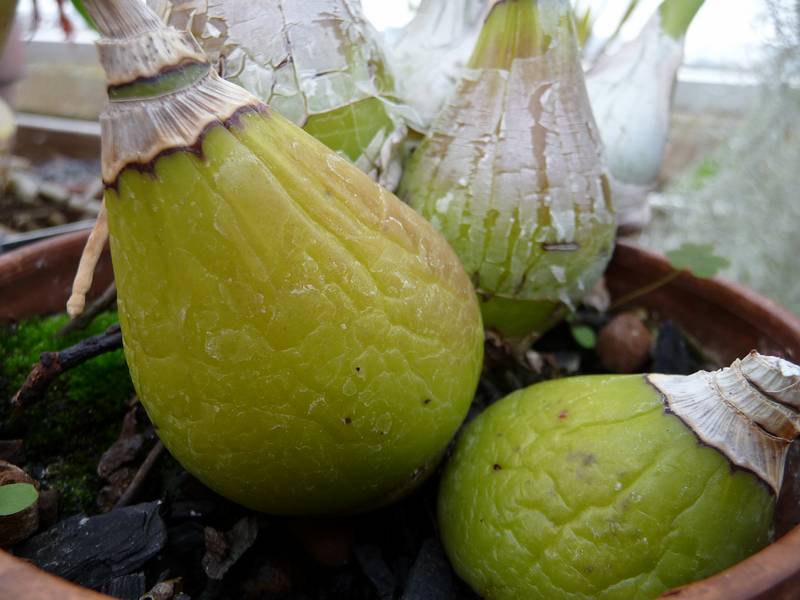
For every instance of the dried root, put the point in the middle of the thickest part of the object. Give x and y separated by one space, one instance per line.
89 259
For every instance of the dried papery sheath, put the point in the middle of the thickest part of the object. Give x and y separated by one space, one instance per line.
164 93
317 62
748 411
631 94
302 340
511 171
441 37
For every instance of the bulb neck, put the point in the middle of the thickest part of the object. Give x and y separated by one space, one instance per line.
518 29
119 19
137 48
677 16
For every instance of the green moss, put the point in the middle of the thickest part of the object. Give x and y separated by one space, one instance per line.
76 479
81 414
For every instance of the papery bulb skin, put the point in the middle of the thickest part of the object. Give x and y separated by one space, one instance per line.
511 172
441 37
319 63
303 342
619 486
631 93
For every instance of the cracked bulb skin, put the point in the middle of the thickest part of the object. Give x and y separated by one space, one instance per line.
303 342
596 486
511 171
320 64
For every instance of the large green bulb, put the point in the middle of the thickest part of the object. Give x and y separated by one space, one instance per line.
302 340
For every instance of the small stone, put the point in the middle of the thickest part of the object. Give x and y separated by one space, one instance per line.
565 362
56 217
623 345
54 192
534 361
24 187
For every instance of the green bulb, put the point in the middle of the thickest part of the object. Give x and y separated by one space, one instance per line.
587 488
511 171
302 341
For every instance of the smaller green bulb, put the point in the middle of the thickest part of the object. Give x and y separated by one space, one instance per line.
588 488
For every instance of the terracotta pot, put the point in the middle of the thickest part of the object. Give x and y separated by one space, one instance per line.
37 279
724 318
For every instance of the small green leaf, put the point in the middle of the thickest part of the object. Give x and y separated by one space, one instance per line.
16 497
697 258
584 335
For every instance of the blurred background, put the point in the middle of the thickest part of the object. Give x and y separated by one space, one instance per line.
727 177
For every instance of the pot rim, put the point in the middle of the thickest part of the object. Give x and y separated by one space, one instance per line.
774 569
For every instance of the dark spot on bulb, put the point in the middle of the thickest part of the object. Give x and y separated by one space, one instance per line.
497 467
563 414
585 458
564 247
427 401
347 420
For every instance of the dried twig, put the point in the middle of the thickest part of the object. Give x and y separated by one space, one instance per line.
52 364
141 475
106 299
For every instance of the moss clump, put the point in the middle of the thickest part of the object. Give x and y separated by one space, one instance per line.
81 414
